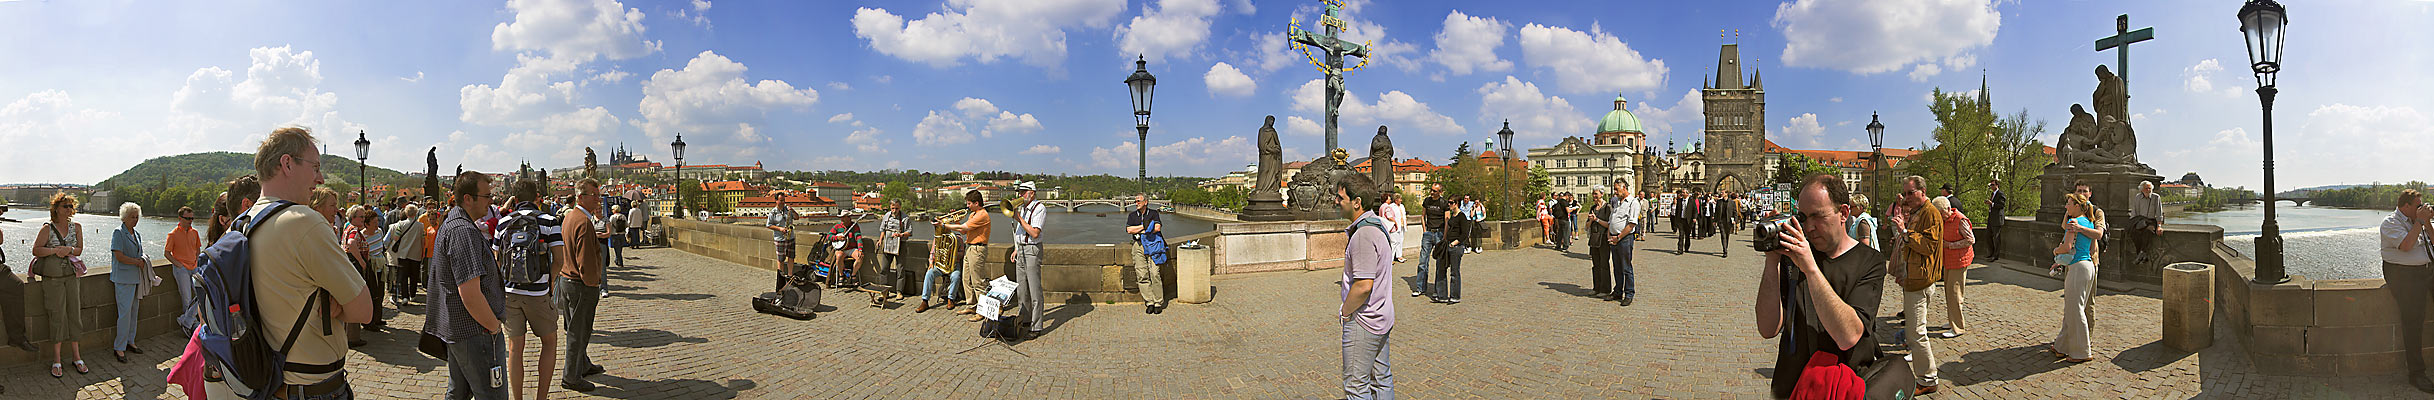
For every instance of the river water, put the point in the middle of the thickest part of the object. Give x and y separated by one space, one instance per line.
17 238
2317 242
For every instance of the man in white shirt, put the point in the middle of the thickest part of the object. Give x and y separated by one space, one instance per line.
1624 228
1026 254
2405 271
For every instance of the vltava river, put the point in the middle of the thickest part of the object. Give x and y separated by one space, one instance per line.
2317 242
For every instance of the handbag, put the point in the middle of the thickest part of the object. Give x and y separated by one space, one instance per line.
57 267
432 346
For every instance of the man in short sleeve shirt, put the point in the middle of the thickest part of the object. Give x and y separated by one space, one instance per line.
1367 310
1821 292
296 255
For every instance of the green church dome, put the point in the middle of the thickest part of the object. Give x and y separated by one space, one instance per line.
1619 120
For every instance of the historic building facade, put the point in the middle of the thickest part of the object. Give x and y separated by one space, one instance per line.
1580 165
1736 127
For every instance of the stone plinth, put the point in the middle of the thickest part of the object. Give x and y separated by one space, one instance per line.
2188 306
2033 240
1192 266
2110 191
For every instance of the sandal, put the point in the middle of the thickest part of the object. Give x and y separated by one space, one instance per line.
56 373
81 369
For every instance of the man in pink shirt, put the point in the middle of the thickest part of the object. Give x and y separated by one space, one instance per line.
1367 314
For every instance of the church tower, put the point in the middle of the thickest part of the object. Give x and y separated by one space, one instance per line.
1736 126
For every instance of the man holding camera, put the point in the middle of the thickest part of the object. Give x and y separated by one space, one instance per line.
2405 271
1820 290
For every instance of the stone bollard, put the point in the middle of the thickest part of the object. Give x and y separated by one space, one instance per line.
1192 273
2188 306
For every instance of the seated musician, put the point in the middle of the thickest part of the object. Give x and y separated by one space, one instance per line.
844 243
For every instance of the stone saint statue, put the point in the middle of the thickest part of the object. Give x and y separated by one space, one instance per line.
1271 159
1381 159
2104 140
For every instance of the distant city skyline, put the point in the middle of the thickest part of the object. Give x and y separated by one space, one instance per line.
1035 86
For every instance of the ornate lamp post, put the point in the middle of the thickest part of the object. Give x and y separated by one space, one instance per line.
678 146
1503 175
1876 153
2261 25
1143 84
1611 160
363 151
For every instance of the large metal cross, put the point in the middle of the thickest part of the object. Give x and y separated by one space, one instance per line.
2120 41
1333 63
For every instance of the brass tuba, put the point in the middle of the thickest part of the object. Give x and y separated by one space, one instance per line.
1011 205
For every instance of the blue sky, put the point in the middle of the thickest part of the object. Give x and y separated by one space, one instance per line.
1035 85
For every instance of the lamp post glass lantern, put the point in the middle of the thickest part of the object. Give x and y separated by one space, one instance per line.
2262 24
1143 86
1503 175
1876 152
363 151
678 147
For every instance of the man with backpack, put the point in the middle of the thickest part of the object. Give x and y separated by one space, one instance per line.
580 287
295 270
1148 252
530 248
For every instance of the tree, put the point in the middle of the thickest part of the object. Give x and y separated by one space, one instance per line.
1796 167
1974 146
898 191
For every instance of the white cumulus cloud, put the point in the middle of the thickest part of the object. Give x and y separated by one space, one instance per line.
983 30
1175 28
1043 149
1534 114
1397 110
577 30
1224 79
1873 36
710 97
1469 43
1803 132
1590 61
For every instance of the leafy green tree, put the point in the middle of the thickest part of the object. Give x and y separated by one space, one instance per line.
898 190
1796 167
1973 146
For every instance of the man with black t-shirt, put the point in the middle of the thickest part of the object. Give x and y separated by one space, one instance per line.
1432 225
1821 291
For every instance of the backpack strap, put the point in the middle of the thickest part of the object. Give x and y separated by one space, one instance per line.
320 297
254 222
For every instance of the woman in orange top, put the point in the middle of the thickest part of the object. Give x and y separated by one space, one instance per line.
1960 246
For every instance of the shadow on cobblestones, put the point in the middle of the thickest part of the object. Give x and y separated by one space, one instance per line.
2001 364
1568 289
2148 357
623 388
661 296
645 338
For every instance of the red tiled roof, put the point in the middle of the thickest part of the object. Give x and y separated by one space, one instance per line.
723 186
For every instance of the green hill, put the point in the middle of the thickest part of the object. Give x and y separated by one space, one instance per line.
162 184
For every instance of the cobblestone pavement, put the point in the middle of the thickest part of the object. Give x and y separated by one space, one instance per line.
679 326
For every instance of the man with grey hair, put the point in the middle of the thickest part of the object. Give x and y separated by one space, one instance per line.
1029 220
1623 228
2146 222
1148 236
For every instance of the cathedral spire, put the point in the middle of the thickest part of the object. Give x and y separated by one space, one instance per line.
1984 99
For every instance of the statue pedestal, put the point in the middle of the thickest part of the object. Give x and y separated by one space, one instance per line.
2109 188
1266 206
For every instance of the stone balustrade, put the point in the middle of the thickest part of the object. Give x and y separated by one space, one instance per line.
98 314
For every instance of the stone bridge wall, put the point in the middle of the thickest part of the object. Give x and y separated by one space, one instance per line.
98 313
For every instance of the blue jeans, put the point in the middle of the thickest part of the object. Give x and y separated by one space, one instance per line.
1620 258
185 296
617 248
1368 374
473 364
126 317
930 277
1428 243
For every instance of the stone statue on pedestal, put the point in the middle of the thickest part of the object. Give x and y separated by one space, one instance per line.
1266 204
1381 160
1312 190
2103 141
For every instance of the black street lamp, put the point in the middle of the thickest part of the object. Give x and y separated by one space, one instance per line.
1611 161
2261 25
1876 154
363 185
1503 172
1142 84
679 147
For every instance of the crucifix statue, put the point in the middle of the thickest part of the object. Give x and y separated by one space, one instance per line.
2120 42
1330 57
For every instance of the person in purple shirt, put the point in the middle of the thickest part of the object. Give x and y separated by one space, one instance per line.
1367 313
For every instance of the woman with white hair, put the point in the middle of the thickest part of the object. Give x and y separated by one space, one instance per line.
129 272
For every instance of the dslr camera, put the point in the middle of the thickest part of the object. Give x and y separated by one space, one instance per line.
1768 234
